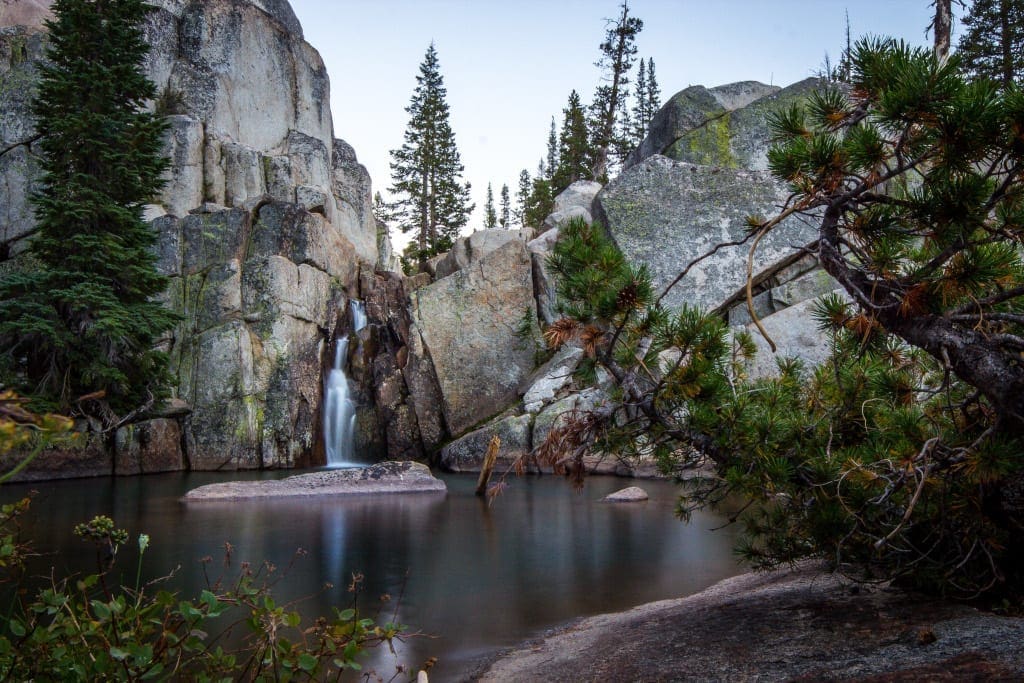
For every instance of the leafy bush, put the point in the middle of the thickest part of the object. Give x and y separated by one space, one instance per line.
84 629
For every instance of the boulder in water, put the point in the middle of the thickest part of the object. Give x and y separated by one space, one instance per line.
382 478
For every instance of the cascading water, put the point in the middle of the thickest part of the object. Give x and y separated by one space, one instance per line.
339 408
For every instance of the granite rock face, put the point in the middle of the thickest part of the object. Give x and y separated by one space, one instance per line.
467 250
796 335
470 323
467 453
149 447
740 137
692 109
263 227
666 213
21 48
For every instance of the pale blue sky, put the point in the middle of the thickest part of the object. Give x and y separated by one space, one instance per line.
509 66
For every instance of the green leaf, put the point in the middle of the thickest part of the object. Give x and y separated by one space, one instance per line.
17 628
308 662
119 654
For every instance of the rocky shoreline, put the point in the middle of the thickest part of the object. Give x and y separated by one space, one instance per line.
799 624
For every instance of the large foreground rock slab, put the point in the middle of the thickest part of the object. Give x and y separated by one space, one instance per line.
379 479
666 213
791 625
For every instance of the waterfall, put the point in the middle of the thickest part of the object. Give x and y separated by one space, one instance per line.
339 408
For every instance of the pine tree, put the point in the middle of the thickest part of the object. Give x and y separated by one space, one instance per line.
426 171
617 53
641 115
552 159
522 197
903 455
574 152
505 213
653 92
84 321
540 202
382 211
490 215
623 139
992 43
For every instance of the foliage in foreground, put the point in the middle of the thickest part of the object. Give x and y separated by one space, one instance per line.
880 461
86 629
902 456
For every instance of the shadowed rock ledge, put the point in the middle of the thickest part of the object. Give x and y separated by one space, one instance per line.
382 478
786 625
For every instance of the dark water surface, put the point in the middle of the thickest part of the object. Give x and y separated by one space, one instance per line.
479 579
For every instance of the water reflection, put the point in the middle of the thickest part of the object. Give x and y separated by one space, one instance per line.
479 578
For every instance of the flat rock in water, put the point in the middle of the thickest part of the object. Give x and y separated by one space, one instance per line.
779 626
382 478
632 494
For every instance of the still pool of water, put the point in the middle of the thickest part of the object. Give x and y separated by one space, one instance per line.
477 579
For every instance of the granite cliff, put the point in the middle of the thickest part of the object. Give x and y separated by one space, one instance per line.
264 226
266 231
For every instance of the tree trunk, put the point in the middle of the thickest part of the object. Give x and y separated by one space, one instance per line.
1006 42
943 26
969 354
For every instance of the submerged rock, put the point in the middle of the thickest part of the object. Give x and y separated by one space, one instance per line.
631 494
382 478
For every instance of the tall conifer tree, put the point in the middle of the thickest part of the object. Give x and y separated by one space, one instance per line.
490 215
641 116
426 171
574 152
84 321
617 53
992 43
552 148
653 91
505 216
522 197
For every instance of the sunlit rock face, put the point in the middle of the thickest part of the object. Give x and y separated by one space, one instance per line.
28 13
263 225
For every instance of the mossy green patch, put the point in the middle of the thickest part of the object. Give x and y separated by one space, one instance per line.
709 145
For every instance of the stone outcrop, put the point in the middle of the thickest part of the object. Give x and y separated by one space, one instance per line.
264 225
666 213
693 109
466 454
381 479
21 48
575 201
796 335
467 250
86 455
779 626
479 327
27 13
